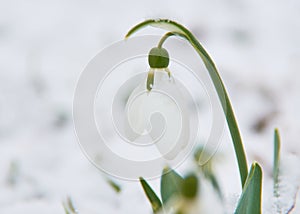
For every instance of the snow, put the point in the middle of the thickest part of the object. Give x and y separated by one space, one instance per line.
44 45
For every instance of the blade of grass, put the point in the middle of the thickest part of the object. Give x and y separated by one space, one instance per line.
152 197
170 185
276 162
179 30
116 187
66 209
250 200
69 206
212 178
208 172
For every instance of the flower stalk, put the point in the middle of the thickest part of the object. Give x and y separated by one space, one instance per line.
181 31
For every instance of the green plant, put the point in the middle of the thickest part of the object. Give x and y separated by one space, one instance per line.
69 206
179 194
179 30
175 186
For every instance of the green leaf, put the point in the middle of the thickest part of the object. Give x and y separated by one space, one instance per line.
179 30
250 200
213 180
116 187
152 197
276 162
208 172
189 188
66 210
170 185
69 206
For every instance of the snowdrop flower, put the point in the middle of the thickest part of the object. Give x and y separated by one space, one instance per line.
157 109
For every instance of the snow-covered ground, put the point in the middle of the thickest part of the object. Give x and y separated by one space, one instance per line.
44 45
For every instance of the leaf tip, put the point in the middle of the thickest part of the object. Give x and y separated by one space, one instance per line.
166 169
256 168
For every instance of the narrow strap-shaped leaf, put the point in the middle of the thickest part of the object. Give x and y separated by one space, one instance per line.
207 170
115 186
180 30
69 206
152 197
250 200
276 161
66 209
214 182
170 185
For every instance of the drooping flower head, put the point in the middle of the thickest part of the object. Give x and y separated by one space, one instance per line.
157 108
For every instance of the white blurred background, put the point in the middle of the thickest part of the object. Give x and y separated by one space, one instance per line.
44 45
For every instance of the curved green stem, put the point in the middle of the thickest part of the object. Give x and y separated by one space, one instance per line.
179 30
164 38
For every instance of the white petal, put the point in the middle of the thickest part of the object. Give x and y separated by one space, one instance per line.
161 113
